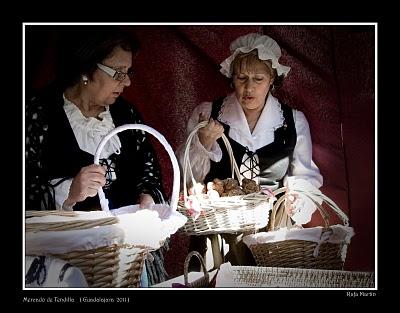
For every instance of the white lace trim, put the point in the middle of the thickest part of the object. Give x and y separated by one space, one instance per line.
136 226
271 118
281 117
89 131
232 113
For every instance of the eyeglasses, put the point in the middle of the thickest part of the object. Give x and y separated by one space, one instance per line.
117 75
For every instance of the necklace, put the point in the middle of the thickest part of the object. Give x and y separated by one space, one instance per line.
252 124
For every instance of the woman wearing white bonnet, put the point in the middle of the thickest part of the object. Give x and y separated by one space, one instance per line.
270 140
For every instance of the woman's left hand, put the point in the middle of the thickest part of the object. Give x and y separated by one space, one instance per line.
145 201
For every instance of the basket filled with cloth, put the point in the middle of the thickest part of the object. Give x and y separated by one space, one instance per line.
321 247
109 246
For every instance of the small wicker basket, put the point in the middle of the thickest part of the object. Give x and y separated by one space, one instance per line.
232 214
115 265
293 253
202 282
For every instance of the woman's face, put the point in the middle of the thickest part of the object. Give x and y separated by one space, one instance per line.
105 89
252 85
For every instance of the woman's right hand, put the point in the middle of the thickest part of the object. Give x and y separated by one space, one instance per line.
210 133
86 183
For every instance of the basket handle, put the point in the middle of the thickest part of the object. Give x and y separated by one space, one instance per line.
162 140
186 160
186 266
279 205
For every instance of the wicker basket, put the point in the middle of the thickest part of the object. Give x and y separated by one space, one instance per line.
293 253
273 277
100 265
115 265
232 214
202 282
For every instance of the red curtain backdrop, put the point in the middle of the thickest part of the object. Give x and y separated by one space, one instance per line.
332 81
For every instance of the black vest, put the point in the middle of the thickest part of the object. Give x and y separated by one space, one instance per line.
274 158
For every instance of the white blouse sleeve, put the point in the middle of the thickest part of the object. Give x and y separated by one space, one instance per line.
61 193
302 165
199 156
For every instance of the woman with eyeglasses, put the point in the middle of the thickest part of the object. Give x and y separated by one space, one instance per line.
66 122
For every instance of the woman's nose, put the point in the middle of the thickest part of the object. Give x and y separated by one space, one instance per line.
249 85
127 81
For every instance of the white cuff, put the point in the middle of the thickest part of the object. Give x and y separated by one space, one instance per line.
215 154
61 194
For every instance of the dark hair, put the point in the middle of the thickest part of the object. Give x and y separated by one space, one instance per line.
80 48
278 81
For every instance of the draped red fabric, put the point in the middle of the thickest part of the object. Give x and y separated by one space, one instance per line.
331 81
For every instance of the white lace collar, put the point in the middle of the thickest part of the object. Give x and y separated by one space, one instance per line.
89 131
270 119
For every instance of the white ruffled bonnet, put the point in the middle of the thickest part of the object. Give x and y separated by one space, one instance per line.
267 49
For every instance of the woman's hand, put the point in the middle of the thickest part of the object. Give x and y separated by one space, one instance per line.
145 201
209 134
86 183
